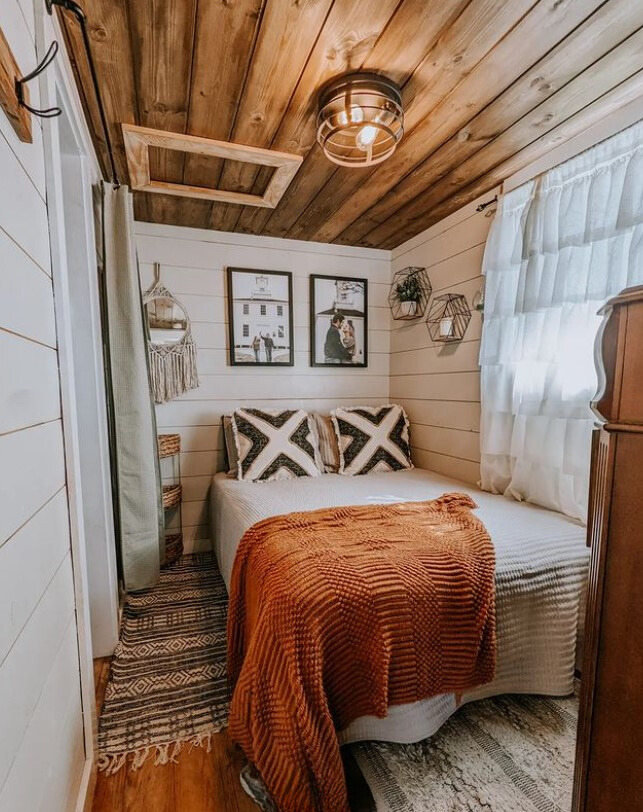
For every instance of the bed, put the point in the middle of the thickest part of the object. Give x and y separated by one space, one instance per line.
541 571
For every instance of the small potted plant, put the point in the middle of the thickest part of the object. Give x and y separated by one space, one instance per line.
409 293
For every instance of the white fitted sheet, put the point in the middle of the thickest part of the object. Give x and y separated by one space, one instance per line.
541 572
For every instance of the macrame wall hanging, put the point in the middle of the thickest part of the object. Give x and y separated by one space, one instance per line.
172 350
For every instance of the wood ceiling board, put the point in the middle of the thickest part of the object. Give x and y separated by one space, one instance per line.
138 140
336 52
109 34
162 33
287 35
465 68
218 76
606 105
605 29
479 28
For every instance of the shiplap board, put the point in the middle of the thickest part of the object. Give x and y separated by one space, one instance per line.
46 771
22 587
26 304
30 392
193 267
41 743
23 213
34 473
438 384
30 660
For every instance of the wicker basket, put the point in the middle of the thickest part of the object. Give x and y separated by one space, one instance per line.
173 548
171 496
169 444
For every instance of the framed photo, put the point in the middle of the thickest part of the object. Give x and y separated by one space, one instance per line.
260 318
338 321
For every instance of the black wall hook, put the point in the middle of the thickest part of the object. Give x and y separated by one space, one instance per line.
50 112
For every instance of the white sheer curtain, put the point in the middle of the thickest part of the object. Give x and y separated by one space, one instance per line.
559 247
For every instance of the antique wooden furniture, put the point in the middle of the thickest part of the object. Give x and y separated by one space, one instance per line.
609 758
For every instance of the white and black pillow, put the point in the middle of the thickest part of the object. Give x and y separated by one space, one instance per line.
273 444
372 439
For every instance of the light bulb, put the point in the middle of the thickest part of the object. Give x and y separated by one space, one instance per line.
366 136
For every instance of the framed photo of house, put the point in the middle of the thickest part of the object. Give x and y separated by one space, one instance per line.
260 323
338 321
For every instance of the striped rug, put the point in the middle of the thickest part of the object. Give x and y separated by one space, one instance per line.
167 685
506 754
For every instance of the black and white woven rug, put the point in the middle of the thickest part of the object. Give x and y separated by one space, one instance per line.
168 685
506 754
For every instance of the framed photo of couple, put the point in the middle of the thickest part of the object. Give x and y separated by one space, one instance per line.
260 320
338 321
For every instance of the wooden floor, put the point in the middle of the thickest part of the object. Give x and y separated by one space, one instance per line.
200 782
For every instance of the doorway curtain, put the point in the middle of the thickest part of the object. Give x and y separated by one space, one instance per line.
559 247
136 474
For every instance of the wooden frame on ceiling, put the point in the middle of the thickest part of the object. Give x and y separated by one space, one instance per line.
138 140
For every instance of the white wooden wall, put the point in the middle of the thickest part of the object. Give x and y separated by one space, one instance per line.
193 266
41 730
439 385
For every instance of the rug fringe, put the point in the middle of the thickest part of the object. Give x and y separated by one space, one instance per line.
166 753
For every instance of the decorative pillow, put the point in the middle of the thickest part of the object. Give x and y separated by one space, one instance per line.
324 432
273 444
372 439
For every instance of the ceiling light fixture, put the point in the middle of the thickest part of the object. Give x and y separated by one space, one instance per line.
360 119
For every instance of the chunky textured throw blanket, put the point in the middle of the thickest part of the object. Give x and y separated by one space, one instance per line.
338 613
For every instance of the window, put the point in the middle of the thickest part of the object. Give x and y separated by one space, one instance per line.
280 331
280 310
246 330
262 310
246 309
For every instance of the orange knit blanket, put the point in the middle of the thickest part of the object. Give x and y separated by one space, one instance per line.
341 612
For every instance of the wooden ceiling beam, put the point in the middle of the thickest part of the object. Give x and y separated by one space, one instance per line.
404 41
479 28
608 26
540 128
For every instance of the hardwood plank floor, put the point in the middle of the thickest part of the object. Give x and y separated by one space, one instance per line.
199 782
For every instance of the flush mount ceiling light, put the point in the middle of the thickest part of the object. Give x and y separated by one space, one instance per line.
360 119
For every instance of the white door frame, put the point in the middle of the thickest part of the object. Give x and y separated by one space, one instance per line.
57 88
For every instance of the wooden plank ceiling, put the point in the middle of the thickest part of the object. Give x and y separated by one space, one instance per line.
488 86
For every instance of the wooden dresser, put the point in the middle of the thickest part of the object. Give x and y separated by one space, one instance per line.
609 756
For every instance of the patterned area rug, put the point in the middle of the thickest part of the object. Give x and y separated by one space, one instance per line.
506 754
167 685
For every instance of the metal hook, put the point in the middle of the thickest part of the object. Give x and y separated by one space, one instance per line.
50 112
157 273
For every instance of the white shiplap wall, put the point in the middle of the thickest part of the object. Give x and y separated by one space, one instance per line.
41 728
193 264
439 385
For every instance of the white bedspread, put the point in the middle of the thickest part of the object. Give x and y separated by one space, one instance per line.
541 571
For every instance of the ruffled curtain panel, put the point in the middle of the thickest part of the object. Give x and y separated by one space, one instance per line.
559 247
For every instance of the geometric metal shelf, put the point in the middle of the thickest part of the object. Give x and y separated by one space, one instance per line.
448 318
409 293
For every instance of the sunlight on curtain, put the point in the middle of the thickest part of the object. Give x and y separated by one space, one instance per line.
559 247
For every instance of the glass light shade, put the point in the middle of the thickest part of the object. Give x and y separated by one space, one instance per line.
360 119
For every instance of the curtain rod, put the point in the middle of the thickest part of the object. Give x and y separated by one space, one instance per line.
484 205
77 11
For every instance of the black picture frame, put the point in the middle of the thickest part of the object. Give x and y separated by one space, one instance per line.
245 300
323 304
